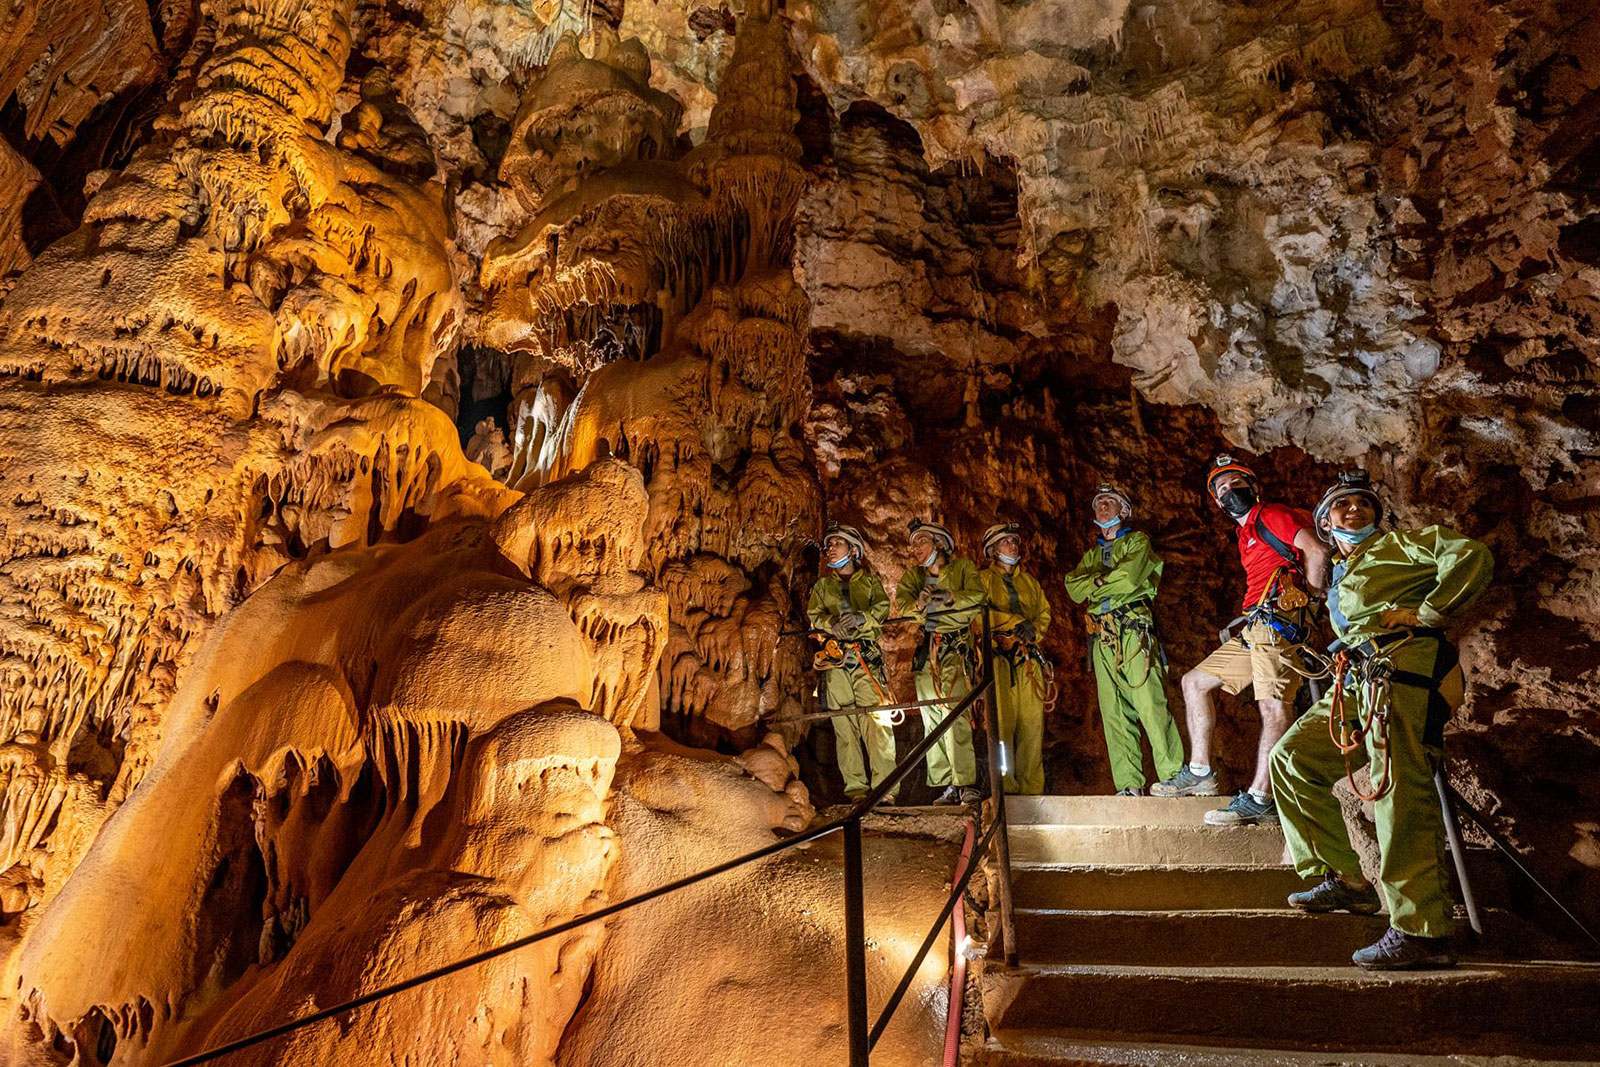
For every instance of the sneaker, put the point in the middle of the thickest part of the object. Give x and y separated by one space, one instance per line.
1245 810
1398 951
951 795
968 795
1186 783
1333 895
1131 791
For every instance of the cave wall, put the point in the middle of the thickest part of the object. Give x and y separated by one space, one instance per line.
290 283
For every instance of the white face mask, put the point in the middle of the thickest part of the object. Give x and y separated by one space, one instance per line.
933 557
1009 560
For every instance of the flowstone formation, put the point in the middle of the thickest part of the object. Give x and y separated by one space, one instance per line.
651 312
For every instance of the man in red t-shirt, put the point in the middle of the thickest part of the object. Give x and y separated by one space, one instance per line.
1282 559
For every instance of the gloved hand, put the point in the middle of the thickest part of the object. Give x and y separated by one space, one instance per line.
1400 617
851 623
1027 632
940 599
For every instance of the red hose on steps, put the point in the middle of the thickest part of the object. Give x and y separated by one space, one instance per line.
958 973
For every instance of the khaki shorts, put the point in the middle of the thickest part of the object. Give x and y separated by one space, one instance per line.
1265 665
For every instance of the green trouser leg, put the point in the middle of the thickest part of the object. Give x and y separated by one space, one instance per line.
950 761
1411 840
851 687
1019 691
1131 696
1410 828
1305 764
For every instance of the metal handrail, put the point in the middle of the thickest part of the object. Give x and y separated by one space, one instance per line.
1450 796
861 1038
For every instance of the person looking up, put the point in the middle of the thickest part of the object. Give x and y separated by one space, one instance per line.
941 590
847 610
1019 615
1118 578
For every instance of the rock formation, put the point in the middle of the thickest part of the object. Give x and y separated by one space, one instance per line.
684 280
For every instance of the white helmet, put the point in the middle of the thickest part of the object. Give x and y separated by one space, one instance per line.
997 533
1107 489
942 537
850 536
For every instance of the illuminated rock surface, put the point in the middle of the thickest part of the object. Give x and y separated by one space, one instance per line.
408 410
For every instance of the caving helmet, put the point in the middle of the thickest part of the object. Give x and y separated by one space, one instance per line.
1115 493
1225 464
850 536
997 533
942 538
1350 483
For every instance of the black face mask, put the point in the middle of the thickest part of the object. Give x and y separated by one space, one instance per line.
1238 501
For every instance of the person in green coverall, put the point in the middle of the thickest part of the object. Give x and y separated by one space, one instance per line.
1389 598
1019 615
942 591
848 605
1118 578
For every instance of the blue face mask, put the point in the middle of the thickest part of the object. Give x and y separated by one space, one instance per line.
1108 523
1009 561
933 557
840 564
1355 537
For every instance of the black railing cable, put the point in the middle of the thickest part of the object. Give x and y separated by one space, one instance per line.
1511 853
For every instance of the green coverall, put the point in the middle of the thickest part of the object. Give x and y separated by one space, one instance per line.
1019 609
1437 572
852 686
944 675
1128 671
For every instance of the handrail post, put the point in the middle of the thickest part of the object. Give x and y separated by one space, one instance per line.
855 946
997 791
1458 852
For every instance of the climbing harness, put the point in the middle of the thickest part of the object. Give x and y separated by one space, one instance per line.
1017 650
1369 666
834 653
1111 624
1282 608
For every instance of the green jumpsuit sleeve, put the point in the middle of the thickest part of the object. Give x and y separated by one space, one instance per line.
906 593
823 606
1462 567
876 608
1134 572
1080 583
1038 606
965 588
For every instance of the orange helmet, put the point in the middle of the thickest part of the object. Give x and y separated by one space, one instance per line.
1225 464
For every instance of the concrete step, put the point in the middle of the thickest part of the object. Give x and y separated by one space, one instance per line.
1505 1008
1043 1048
1149 846
1199 888
1111 811
1187 938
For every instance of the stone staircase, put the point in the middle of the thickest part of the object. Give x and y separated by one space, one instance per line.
1148 938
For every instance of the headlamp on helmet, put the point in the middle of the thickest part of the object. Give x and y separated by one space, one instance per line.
997 533
1350 483
942 538
1106 489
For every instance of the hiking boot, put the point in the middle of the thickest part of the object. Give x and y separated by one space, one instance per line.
951 795
1186 783
1131 791
1398 951
1245 810
969 795
1333 895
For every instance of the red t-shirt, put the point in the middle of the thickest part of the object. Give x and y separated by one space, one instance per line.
1259 558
